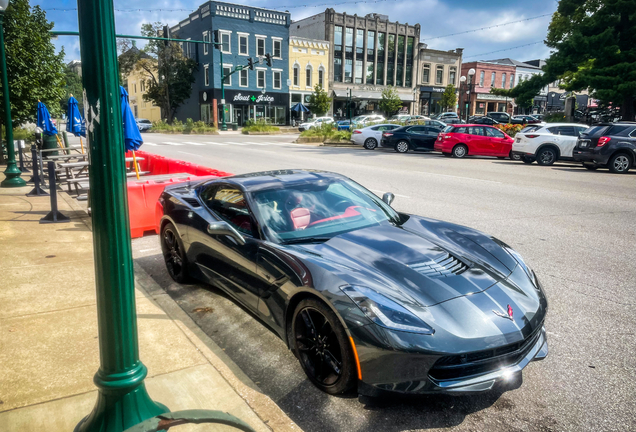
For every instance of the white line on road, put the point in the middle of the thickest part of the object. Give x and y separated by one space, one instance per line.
256 143
193 143
235 143
382 192
191 154
150 144
172 143
215 143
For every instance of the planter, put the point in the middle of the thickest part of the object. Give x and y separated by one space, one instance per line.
302 140
261 133
339 143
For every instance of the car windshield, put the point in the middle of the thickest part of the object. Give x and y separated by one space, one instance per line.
449 129
321 210
594 129
358 118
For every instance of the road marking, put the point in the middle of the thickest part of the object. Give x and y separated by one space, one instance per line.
382 192
256 143
193 143
215 143
235 143
173 143
191 154
150 144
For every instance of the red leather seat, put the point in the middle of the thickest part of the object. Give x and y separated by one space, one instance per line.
300 217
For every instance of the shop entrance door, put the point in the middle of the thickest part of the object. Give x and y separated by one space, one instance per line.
238 116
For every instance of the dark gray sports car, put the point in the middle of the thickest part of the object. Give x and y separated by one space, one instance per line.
365 296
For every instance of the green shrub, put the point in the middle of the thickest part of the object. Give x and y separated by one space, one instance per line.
259 126
327 132
200 127
27 135
189 125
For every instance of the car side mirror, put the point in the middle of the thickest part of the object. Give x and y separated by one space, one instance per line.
388 198
224 228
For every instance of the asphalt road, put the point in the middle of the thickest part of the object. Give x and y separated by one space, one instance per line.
576 228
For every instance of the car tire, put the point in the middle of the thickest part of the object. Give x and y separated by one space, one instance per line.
370 143
174 254
460 151
402 146
527 160
514 156
546 156
322 347
619 163
590 167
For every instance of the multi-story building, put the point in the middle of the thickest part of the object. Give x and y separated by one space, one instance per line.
308 66
136 84
75 66
436 70
487 75
523 72
555 95
244 32
367 54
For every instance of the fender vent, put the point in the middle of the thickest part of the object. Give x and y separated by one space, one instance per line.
192 201
444 266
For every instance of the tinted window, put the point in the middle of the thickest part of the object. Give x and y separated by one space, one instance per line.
617 130
450 129
528 129
580 130
553 130
375 128
494 133
416 129
568 130
595 130
229 203
476 130
461 130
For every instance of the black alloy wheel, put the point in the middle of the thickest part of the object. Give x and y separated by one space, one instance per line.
590 167
174 254
370 144
547 156
527 159
402 146
619 163
322 347
460 151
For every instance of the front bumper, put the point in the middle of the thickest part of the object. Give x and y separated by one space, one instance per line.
410 373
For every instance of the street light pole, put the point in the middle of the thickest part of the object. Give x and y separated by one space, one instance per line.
223 124
122 400
349 106
12 173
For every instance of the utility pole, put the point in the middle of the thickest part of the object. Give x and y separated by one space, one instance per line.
122 400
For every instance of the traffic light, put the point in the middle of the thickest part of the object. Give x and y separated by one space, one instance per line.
268 59
217 39
250 63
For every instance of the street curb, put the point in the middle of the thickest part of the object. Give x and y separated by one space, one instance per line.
264 407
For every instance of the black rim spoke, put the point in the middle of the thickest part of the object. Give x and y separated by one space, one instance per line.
309 323
334 364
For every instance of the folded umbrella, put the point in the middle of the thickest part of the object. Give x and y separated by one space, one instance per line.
75 122
44 120
132 136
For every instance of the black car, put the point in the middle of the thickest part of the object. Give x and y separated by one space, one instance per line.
611 145
503 117
366 297
485 120
416 137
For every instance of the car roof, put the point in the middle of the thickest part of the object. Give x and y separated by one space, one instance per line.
381 124
279 179
559 124
470 124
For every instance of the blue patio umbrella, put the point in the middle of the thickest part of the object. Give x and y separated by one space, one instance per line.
132 136
44 120
299 107
74 120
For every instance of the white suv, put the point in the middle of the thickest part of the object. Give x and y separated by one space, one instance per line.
317 122
547 143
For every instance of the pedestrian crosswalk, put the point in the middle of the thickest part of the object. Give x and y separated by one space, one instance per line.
219 143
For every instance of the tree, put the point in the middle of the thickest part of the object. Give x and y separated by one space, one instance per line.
449 98
595 48
320 101
168 74
73 86
34 70
390 102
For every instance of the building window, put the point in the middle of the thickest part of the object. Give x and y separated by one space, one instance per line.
277 79
379 73
503 80
296 75
321 77
400 50
206 38
399 76
227 69
451 75
142 85
337 38
308 72
135 87
347 74
391 48
358 72
481 78
226 47
426 74
390 69
337 70
349 40
369 73
512 80
243 45
370 44
260 78
206 75
409 72
409 50
439 75
277 49
260 47
492 79
243 82
359 42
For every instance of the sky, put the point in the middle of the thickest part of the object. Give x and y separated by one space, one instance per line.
436 18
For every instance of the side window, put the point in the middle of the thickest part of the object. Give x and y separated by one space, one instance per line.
568 130
230 204
632 134
207 195
459 130
378 128
475 130
494 133
580 130
617 130
554 130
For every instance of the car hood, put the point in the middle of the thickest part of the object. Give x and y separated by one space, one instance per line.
412 263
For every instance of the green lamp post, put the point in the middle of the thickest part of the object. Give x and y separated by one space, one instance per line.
12 173
122 399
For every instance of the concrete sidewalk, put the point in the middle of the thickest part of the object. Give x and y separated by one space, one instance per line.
48 331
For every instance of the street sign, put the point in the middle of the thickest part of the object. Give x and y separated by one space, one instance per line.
222 101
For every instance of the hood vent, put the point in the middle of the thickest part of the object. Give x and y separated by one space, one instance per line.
443 266
192 201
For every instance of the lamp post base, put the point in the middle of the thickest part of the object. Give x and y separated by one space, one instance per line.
12 177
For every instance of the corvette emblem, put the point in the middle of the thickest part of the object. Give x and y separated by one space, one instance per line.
503 315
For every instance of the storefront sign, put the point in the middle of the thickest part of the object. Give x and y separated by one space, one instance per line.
241 97
432 89
261 98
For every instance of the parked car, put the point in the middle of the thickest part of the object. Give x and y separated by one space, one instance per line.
526 119
611 145
480 119
371 136
502 117
333 270
365 120
473 140
547 143
416 137
443 117
417 119
400 118
538 116
144 124
343 125
317 122
435 123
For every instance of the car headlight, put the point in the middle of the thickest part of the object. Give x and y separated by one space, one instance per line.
385 312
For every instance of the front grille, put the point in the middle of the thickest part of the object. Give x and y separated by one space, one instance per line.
481 362
443 266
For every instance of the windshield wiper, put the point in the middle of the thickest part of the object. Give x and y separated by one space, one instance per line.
307 240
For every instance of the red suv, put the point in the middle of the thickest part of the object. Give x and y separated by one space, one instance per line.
473 139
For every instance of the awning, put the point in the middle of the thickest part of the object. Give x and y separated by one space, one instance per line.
359 94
